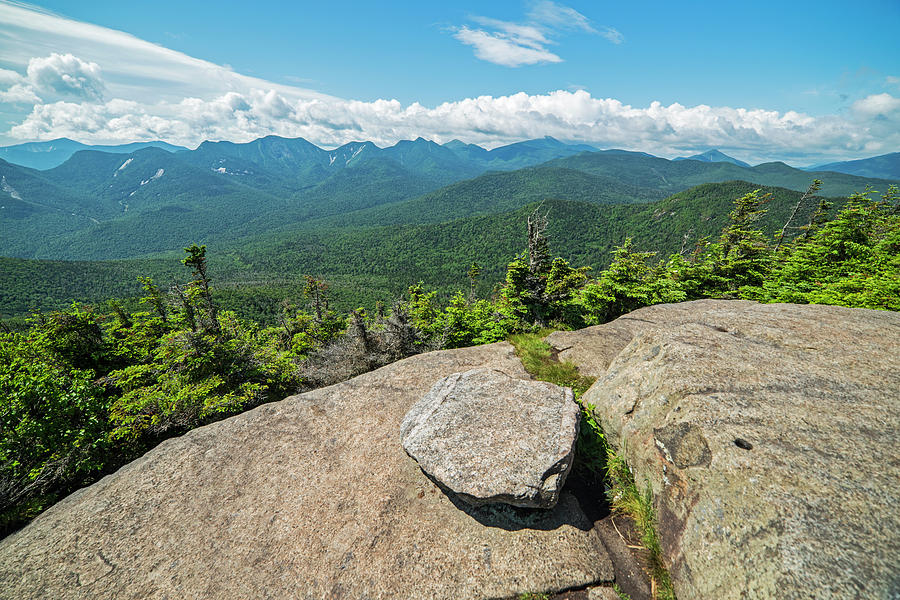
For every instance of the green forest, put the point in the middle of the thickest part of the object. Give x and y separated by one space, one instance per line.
376 262
90 387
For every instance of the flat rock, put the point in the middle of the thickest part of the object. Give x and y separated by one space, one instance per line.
491 438
594 348
768 434
310 497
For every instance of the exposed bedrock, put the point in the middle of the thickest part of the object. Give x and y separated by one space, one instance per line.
769 435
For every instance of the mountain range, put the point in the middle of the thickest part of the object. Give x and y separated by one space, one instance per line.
886 166
49 154
46 155
312 209
100 205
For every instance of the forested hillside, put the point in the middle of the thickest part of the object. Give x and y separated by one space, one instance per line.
368 264
672 176
499 192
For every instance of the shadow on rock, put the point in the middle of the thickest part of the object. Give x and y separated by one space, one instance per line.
513 518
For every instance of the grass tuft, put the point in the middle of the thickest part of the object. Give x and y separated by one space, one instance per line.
626 499
537 358
620 592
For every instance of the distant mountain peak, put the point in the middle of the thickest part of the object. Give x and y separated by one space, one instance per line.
714 155
547 141
885 166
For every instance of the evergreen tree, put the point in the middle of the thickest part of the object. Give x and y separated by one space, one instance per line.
852 260
745 257
200 288
735 264
537 288
630 282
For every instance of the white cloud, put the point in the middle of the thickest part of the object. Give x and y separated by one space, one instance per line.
877 104
19 94
512 44
505 49
66 75
528 35
132 68
52 77
577 116
8 77
612 35
559 17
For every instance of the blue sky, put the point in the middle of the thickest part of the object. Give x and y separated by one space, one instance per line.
795 81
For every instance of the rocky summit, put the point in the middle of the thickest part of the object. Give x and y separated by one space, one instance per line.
768 434
310 497
490 438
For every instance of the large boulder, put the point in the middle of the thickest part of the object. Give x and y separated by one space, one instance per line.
490 438
768 434
311 497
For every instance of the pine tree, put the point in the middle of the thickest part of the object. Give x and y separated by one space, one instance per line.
196 260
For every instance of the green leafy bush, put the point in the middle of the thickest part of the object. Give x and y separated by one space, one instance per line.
52 416
192 378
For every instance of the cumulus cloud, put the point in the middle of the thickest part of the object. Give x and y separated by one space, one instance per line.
67 75
577 116
19 94
132 68
52 77
512 44
877 104
9 77
17 89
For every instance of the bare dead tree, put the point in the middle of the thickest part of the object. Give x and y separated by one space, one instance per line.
538 242
810 192
684 240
